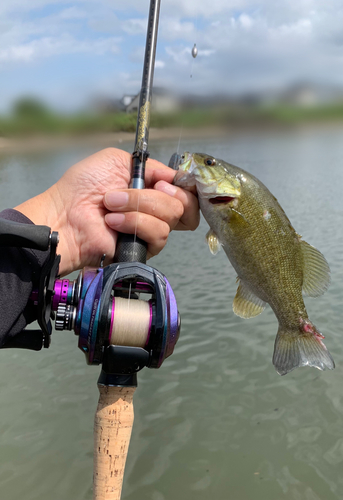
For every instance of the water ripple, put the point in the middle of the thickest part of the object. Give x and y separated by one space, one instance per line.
215 421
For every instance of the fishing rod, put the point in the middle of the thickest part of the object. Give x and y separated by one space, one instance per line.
125 314
129 248
114 416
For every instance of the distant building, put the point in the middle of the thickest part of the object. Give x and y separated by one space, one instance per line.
162 102
106 105
127 100
132 107
303 95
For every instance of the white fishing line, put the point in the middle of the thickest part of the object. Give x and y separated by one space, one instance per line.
136 222
181 131
128 300
131 322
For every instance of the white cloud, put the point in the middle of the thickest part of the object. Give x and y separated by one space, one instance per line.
241 44
72 13
49 46
174 28
159 64
246 21
302 27
179 54
134 26
206 53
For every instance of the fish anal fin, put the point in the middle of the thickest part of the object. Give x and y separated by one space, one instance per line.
302 348
316 271
213 242
246 304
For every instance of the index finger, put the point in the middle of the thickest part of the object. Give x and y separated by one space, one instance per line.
191 217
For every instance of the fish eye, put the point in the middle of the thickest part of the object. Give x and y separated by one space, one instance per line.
210 162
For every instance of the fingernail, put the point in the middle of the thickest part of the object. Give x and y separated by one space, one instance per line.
114 219
165 187
116 199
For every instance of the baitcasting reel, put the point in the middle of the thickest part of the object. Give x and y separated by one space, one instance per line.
125 314
105 309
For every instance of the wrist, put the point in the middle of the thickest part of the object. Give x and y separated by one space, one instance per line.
47 209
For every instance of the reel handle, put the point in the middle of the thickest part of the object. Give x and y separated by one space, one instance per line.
112 432
18 234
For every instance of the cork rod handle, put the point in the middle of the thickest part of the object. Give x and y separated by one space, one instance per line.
112 431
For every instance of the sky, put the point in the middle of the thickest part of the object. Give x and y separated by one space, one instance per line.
69 53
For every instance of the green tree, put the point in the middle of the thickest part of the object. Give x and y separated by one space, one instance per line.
29 107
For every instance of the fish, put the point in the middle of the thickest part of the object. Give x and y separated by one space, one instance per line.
274 265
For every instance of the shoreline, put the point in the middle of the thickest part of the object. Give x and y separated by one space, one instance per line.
116 139
112 139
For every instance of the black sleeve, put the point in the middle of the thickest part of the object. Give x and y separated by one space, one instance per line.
19 274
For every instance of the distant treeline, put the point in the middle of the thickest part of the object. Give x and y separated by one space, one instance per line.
30 117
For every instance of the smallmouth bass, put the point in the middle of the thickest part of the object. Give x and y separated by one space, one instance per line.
274 265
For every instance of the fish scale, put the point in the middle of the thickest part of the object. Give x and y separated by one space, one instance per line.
274 265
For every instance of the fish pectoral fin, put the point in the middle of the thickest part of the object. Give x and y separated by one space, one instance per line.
213 242
246 304
316 271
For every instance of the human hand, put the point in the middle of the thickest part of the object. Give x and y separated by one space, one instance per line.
91 203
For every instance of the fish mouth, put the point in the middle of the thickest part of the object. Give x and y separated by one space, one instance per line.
184 176
183 179
220 200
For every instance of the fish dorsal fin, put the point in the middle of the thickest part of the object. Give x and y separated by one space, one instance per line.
246 304
316 271
213 242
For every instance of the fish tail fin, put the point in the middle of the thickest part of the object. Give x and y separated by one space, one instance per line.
302 346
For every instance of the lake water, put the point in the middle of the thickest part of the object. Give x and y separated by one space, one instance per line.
215 421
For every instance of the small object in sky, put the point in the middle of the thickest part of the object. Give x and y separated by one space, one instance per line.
274 265
194 51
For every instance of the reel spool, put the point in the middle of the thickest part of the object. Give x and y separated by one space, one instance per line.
125 315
